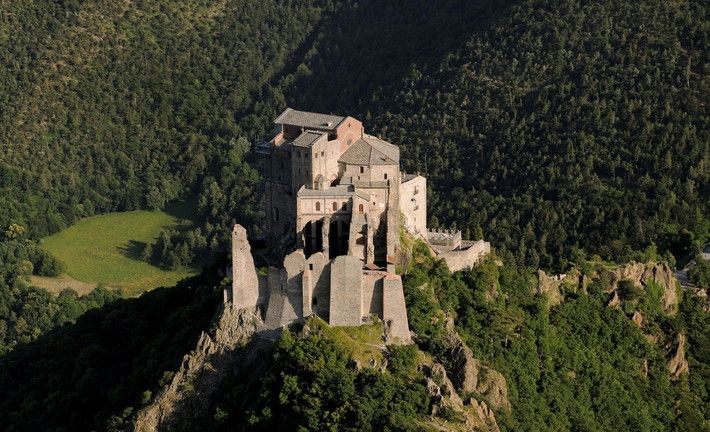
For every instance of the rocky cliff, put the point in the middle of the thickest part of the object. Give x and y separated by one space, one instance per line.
640 274
470 376
474 416
190 390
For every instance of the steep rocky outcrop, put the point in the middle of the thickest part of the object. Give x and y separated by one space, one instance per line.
552 285
476 416
201 371
469 375
640 274
678 365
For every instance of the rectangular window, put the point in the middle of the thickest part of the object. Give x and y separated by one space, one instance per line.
362 170
385 176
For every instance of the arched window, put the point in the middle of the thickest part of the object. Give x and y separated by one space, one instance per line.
318 206
361 209
335 206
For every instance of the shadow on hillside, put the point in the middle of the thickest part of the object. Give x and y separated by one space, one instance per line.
373 45
79 375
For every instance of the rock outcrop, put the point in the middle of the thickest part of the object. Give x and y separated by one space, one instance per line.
553 285
201 371
469 375
678 365
476 416
640 274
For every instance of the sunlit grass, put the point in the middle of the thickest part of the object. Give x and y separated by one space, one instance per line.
105 249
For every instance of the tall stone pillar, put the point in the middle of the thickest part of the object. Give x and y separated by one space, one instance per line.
326 235
245 283
370 250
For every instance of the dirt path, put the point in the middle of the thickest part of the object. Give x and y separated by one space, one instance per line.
56 284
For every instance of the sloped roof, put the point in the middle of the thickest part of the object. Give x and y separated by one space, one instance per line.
309 120
363 152
307 138
390 150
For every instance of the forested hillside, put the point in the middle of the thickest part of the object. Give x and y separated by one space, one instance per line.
549 127
563 131
553 128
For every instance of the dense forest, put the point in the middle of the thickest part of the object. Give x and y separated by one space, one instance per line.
551 128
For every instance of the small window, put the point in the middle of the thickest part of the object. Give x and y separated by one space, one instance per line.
361 209
310 266
335 206
362 170
317 206
316 156
385 176
322 153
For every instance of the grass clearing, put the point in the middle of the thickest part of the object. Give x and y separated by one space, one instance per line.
363 343
104 249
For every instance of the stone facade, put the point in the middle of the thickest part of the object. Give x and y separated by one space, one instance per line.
412 203
334 196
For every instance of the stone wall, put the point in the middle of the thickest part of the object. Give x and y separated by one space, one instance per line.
372 292
245 284
412 203
345 291
464 259
394 310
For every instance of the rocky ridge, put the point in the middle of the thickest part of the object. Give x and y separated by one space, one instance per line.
201 371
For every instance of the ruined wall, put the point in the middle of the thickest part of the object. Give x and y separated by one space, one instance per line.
372 292
394 310
245 284
345 291
458 260
316 286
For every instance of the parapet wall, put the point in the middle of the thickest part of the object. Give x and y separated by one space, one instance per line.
464 259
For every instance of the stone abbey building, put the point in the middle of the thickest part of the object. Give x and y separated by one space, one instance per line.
337 196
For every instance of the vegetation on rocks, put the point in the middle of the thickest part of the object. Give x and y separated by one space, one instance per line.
580 365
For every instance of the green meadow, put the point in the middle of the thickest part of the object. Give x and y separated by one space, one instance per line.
105 249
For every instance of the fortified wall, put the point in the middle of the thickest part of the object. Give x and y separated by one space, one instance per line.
334 197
